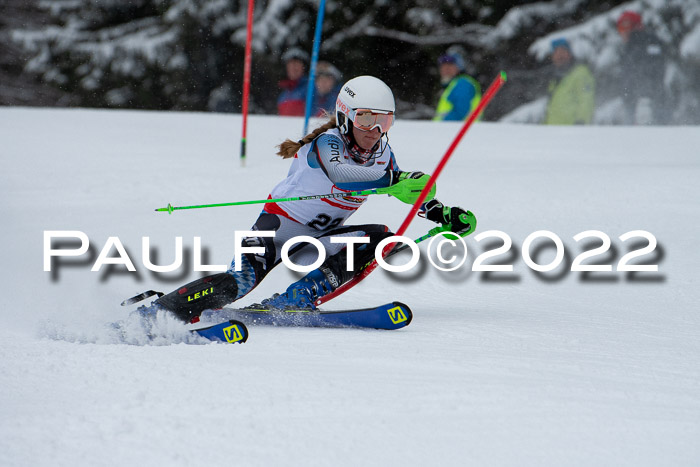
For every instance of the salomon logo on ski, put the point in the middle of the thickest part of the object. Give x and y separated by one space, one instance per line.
233 334
232 331
396 315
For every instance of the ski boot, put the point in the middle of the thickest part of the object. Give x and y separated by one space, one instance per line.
302 294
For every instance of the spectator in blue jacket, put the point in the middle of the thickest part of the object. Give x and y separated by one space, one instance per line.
461 93
327 86
292 100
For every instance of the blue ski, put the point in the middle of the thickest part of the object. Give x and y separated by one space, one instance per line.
394 315
231 331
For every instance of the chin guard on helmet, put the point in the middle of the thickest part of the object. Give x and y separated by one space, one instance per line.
363 155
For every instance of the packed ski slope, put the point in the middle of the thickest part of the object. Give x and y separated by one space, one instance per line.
502 368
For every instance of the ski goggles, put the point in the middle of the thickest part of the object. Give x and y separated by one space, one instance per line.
366 119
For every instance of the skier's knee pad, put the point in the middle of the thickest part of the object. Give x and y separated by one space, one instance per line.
207 293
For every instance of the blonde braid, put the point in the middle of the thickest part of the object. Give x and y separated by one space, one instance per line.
288 147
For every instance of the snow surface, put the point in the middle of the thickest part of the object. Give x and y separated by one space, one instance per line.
508 369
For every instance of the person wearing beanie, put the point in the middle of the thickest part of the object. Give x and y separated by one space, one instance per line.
627 22
571 90
461 93
642 69
292 100
326 88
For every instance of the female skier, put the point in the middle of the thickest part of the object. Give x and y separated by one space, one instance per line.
350 152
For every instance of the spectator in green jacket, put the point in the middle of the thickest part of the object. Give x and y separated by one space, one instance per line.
571 91
461 93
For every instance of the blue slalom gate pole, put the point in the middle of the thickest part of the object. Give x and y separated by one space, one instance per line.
312 68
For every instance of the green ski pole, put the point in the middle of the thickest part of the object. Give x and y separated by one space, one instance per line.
375 191
400 191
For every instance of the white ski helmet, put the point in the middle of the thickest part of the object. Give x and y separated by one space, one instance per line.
364 92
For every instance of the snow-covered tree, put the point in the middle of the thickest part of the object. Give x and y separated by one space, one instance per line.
188 54
596 42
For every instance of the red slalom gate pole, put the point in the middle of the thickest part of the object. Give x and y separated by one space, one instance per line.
491 91
246 78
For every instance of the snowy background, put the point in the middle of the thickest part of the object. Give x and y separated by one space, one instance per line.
518 368
188 55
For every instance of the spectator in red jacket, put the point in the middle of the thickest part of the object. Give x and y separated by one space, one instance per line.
292 100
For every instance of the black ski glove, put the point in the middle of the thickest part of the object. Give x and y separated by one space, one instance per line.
399 176
455 220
